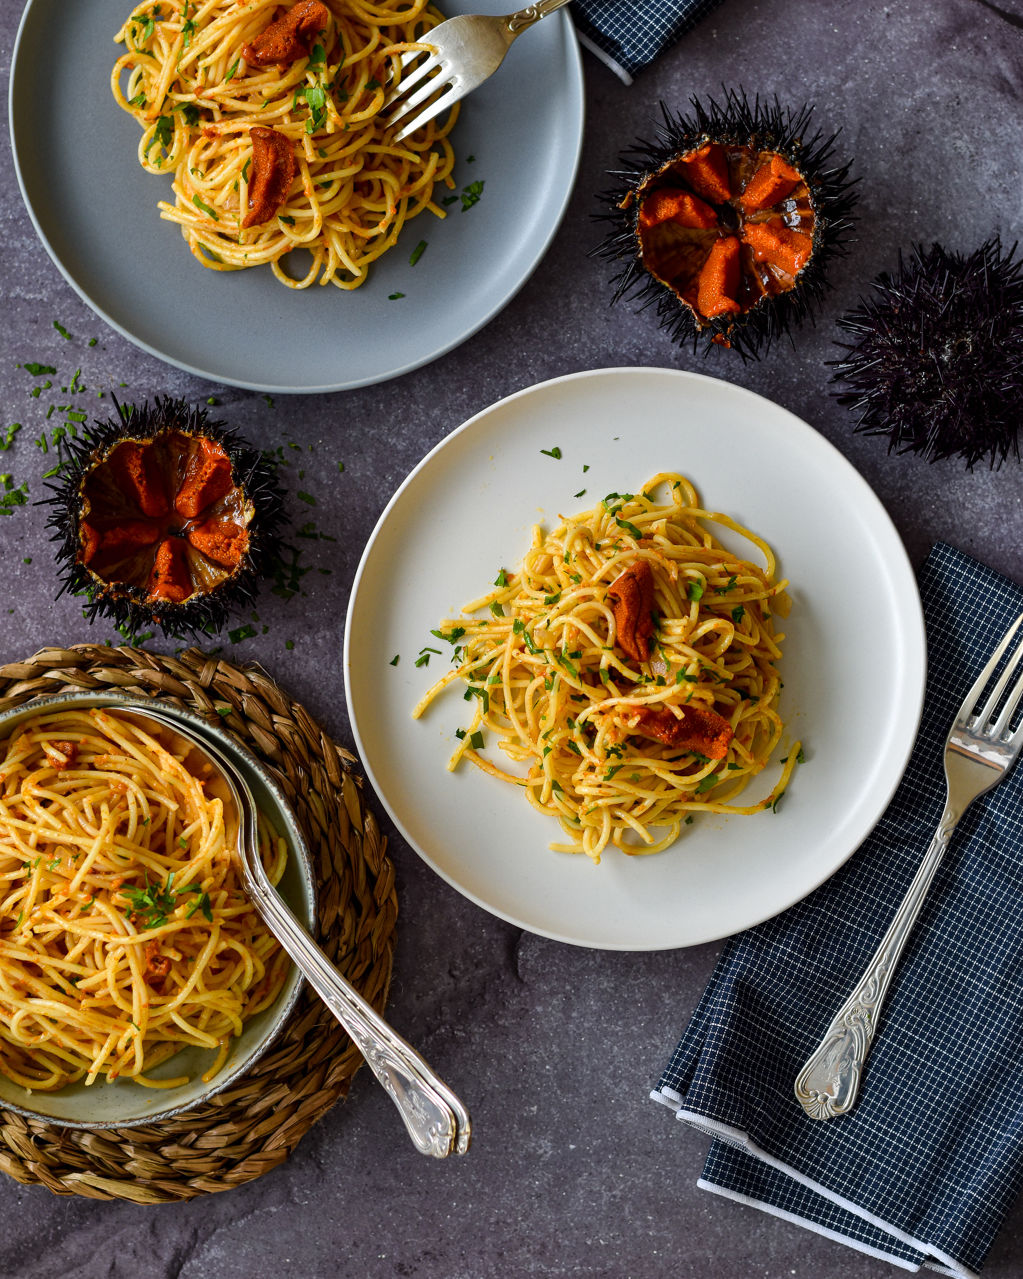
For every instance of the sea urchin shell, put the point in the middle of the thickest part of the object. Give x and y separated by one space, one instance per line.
163 517
728 220
936 357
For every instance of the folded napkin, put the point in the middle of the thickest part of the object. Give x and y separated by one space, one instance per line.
629 34
925 1166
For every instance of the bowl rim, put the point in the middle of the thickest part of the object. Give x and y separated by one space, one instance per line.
298 847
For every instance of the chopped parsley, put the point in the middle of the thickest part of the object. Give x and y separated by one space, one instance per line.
154 903
11 496
562 659
162 134
451 636
471 195
202 902
417 253
475 690
555 453
205 208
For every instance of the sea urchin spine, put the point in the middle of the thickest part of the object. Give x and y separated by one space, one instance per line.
936 356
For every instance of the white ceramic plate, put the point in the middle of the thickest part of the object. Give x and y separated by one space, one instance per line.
94 209
853 664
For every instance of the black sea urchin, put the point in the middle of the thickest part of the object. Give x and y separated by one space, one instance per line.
936 360
727 221
163 517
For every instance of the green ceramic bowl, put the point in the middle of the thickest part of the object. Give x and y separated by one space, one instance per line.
123 1104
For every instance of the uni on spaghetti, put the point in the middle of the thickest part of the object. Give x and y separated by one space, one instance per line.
269 120
628 668
125 932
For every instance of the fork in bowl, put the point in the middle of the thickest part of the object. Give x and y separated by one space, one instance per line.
980 749
461 53
434 1116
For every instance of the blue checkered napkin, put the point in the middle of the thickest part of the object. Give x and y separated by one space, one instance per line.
629 34
924 1168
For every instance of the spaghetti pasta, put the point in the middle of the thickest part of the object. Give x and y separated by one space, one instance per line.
628 668
274 135
125 933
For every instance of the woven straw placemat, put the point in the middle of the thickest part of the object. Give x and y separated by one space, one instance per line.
254 1125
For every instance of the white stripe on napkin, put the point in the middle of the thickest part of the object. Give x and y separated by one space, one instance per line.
737 1137
606 58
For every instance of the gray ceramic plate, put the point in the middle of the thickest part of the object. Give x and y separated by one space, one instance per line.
123 1103
94 208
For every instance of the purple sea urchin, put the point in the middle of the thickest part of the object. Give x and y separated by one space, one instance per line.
936 357
727 221
163 517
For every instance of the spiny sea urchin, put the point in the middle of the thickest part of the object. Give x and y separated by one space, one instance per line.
728 221
936 360
163 517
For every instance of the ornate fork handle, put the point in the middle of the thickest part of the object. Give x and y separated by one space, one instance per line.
435 1117
524 18
423 1100
828 1083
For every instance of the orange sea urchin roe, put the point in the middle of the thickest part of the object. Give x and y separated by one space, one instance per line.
696 728
719 279
724 226
165 516
289 37
273 171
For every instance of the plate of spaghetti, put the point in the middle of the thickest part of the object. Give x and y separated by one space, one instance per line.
607 661
233 161
136 977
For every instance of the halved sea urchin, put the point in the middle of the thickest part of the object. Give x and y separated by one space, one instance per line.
728 221
935 360
164 517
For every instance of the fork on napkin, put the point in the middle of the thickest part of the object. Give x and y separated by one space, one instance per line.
924 1169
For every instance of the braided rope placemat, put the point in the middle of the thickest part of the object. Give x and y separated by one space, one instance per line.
253 1125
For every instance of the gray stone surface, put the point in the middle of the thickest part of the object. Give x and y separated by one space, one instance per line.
573 1171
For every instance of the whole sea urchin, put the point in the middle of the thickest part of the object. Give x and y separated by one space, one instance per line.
728 221
163 517
936 360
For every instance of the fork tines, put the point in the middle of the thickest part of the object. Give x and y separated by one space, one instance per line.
405 105
1005 703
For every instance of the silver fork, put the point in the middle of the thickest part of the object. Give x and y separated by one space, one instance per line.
462 53
434 1117
979 751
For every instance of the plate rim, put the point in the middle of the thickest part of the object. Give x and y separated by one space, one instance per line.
915 652
577 96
